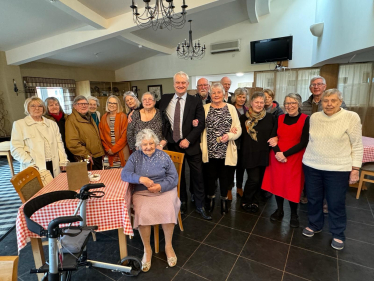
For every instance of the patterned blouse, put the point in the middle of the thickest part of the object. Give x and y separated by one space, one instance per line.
137 125
218 123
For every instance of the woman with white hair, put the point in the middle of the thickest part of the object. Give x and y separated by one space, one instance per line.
93 104
239 99
222 128
331 162
36 141
284 176
131 102
113 133
155 196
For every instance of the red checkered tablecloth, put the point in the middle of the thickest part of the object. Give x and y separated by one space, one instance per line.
108 212
368 144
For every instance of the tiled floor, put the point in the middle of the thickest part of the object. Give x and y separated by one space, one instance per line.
241 246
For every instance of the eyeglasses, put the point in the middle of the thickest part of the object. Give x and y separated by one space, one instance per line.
203 85
82 104
33 106
112 103
316 85
290 103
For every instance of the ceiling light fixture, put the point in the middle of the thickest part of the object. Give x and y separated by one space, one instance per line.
239 74
187 50
160 16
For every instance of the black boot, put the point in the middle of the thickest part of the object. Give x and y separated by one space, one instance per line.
211 203
224 206
294 222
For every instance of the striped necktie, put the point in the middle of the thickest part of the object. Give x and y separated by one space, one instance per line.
177 121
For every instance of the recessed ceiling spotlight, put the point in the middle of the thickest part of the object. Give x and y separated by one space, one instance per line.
140 46
239 74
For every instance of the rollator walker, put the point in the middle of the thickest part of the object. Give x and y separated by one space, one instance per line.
67 245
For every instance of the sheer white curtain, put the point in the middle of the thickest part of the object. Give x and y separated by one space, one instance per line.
355 83
265 80
303 81
285 84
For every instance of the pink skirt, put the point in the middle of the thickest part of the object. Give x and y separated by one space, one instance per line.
155 208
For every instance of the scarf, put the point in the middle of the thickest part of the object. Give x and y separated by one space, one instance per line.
252 121
58 116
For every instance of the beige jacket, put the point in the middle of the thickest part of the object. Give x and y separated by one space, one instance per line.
27 144
231 153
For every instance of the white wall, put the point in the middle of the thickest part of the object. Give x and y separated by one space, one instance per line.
287 17
235 80
348 26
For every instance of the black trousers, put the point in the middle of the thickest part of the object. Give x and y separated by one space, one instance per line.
195 163
216 169
49 167
252 187
97 163
239 171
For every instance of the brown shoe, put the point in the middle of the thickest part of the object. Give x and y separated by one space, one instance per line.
239 191
229 195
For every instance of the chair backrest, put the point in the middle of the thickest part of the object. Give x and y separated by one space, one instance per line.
8 268
27 183
177 159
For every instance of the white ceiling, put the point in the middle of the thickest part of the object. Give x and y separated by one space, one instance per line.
26 21
30 27
111 54
203 23
109 8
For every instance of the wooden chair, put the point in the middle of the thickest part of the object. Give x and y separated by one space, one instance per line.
27 183
367 169
8 268
5 150
177 159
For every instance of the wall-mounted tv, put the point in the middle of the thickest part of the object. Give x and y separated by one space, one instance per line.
269 50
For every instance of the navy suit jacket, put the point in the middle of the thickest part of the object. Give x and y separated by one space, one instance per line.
193 109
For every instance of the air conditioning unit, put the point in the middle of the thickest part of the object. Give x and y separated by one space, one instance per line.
223 47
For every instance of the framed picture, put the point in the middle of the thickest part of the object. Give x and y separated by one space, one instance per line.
134 89
156 90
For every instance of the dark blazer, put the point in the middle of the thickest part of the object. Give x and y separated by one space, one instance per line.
193 110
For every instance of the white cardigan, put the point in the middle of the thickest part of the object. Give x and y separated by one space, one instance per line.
231 152
27 144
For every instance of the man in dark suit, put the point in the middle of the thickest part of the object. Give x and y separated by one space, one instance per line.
203 90
178 111
226 83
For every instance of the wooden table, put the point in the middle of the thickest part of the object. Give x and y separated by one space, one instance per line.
109 212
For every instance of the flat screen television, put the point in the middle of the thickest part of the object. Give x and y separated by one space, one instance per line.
269 50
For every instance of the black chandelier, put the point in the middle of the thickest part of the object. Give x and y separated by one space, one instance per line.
187 50
160 16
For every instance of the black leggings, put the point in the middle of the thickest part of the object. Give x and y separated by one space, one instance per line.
293 205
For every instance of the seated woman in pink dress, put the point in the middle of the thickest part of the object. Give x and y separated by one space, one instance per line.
155 196
284 176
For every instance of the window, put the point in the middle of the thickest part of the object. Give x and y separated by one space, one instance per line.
354 81
46 92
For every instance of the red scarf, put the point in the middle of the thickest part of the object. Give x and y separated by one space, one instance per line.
58 116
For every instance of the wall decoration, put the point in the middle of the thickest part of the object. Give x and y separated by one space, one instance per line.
156 90
134 89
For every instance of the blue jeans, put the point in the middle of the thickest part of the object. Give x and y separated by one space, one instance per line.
333 186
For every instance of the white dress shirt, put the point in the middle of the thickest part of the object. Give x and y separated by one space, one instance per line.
171 109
